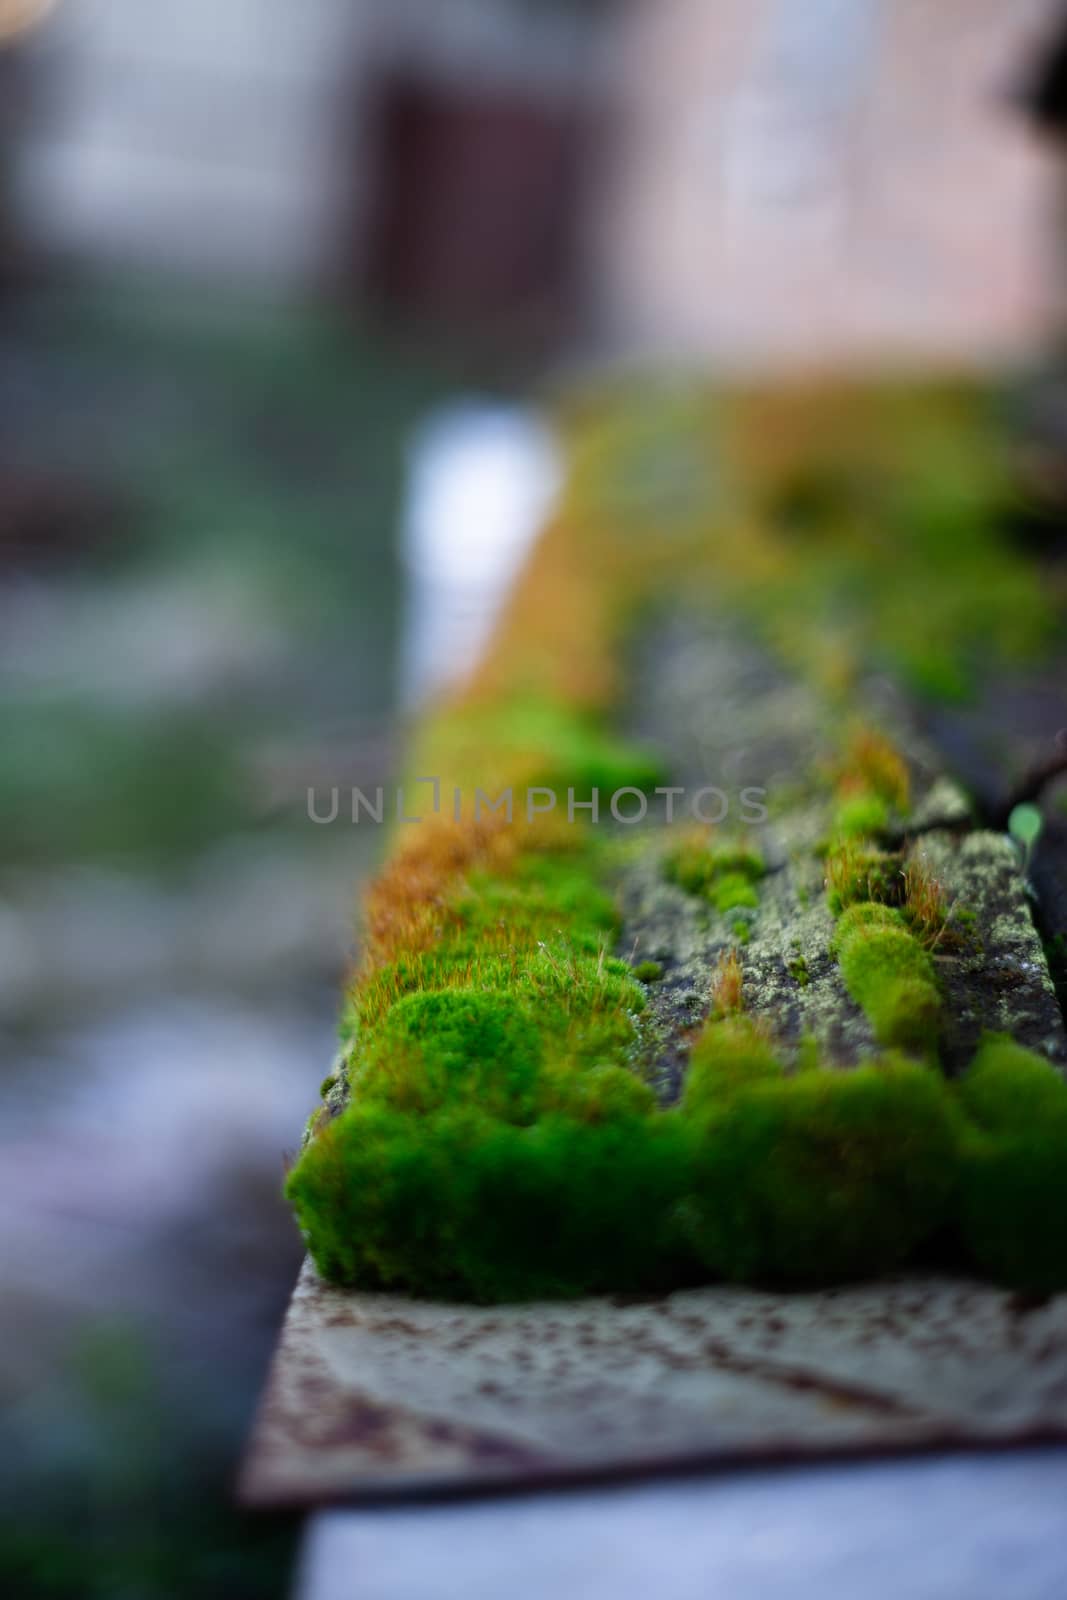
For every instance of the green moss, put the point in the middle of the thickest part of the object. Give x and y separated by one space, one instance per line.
543 892
808 1054
812 1178
559 973
724 874
1009 1090
731 891
825 1176
890 975
1014 1166
1013 1209
558 747
728 1055
691 867
797 1180
489 1211
913 569
455 1044
601 1094
648 971
861 816
450 1047
861 918
798 971
856 873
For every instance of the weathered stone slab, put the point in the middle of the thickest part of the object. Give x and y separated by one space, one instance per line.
375 1394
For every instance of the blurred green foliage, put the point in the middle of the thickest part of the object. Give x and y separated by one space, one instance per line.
259 459
133 1498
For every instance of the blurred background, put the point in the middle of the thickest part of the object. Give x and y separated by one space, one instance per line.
276 283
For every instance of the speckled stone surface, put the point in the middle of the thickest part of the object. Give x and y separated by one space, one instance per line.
377 1394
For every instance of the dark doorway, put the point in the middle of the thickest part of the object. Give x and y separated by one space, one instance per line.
475 214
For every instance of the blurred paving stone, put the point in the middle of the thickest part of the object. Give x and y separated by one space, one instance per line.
968 1528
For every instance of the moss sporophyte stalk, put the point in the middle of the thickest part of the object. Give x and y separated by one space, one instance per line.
580 1056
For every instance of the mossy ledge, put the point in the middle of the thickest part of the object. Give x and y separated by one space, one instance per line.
500 1123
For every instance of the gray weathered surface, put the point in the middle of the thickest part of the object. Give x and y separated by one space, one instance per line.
974 1527
723 711
1000 980
376 1394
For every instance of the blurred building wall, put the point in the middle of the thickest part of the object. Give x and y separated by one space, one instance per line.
772 180
191 135
810 179
239 136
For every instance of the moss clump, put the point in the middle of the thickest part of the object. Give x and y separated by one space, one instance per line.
729 1055
826 1176
489 1211
525 915
798 970
648 971
533 740
733 891
861 816
930 586
889 974
924 906
867 915
810 1178
724 874
1013 1212
1014 1209
536 895
874 765
872 786
434 1049
601 1094
855 872
1008 1090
